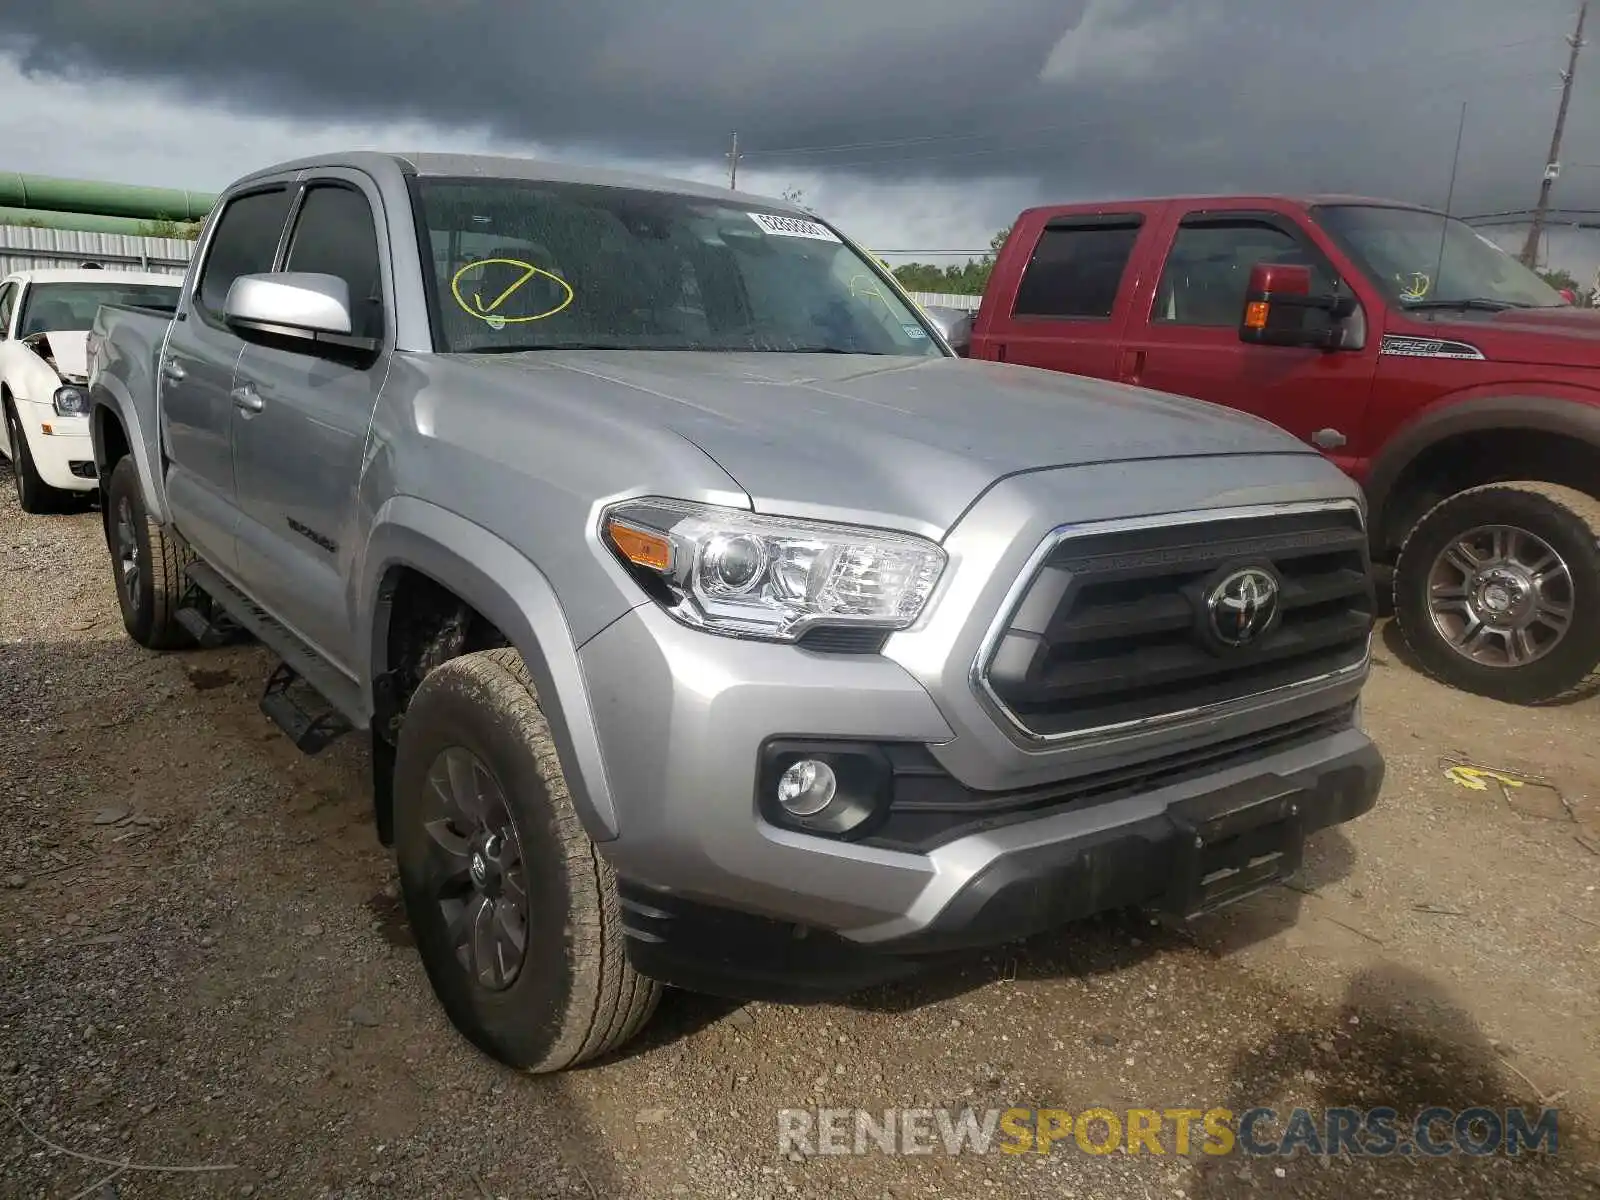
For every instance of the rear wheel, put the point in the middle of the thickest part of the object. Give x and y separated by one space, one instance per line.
515 913
147 564
34 495
1497 591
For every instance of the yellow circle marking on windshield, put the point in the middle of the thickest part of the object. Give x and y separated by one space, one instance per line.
1414 286
486 312
870 290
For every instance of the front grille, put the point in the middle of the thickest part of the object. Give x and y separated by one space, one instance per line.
1114 627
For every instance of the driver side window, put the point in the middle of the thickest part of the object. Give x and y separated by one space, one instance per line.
8 305
1208 270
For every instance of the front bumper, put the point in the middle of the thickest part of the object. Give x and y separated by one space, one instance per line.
64 456
1210 849
988 836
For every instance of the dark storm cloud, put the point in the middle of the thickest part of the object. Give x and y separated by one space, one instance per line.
1084 97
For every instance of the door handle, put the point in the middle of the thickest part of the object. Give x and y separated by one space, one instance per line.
1327 439
246 399
172 371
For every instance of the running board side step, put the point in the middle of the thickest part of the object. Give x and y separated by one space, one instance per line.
205 620
287 706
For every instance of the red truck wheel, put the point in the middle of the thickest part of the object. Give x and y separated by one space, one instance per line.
1497 591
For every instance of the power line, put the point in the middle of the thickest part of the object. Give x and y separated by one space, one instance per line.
934 138
1108 130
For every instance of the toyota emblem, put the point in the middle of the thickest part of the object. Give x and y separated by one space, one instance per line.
1243 606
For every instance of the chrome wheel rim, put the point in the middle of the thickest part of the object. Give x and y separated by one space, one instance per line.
1501 596
475 871
127 550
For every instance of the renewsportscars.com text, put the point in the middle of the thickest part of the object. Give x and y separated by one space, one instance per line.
1365 1133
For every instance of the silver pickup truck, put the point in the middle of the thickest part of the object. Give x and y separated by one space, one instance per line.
712 624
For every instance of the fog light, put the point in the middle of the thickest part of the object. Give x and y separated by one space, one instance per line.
829 789
807 788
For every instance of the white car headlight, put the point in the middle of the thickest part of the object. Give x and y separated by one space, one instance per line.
71 401
740 573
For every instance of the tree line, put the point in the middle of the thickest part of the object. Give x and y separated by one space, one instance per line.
967 279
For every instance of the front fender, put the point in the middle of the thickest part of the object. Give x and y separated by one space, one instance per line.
508 590
1575 418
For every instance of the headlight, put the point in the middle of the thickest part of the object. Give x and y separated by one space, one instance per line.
71 401
739 573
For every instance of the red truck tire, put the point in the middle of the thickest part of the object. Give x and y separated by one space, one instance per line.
1496 589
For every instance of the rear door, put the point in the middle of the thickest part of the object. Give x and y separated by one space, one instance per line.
1184 336
300 424
1068 309
196 372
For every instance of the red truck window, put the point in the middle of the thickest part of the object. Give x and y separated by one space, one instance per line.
1076 269
1209 267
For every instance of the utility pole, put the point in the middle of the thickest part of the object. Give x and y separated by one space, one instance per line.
1530 248
733 163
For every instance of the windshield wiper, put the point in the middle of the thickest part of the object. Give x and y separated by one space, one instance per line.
1474 303
534 348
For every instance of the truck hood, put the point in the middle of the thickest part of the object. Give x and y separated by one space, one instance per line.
891 440
1556 337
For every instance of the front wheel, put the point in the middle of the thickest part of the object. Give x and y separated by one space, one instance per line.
514 912
34 495
1497 591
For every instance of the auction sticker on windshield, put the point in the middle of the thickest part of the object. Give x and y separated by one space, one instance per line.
793 227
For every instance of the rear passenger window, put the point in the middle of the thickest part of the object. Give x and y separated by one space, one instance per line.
244 244
335 235
1076 271
8 304
1208 270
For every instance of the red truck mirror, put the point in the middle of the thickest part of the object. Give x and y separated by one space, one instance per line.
1280 309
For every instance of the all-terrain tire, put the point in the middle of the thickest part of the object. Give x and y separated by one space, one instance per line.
1568 522
576 996
149 597
34 495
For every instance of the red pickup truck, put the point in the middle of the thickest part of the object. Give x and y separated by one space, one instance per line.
1460 390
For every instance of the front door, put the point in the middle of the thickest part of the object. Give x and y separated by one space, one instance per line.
196 373
301 414
1185 338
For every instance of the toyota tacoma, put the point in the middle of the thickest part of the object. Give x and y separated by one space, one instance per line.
712 623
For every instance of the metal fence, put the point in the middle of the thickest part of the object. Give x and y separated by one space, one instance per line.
23 248
965 303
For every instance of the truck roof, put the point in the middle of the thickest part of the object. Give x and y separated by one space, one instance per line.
1237 200
494 166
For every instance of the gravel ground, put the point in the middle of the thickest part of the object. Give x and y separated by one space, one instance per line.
203 966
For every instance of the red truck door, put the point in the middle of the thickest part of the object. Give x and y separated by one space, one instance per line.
1064 292
1184 335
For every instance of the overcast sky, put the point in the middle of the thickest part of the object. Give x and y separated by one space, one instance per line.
917 124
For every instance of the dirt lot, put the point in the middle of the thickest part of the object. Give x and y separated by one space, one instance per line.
202 965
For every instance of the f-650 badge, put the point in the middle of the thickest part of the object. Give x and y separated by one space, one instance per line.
1415 347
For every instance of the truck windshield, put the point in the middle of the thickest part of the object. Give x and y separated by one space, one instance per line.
535 265
70 307
1399 249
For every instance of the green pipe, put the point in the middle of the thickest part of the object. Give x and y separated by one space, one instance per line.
86 222
103 199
